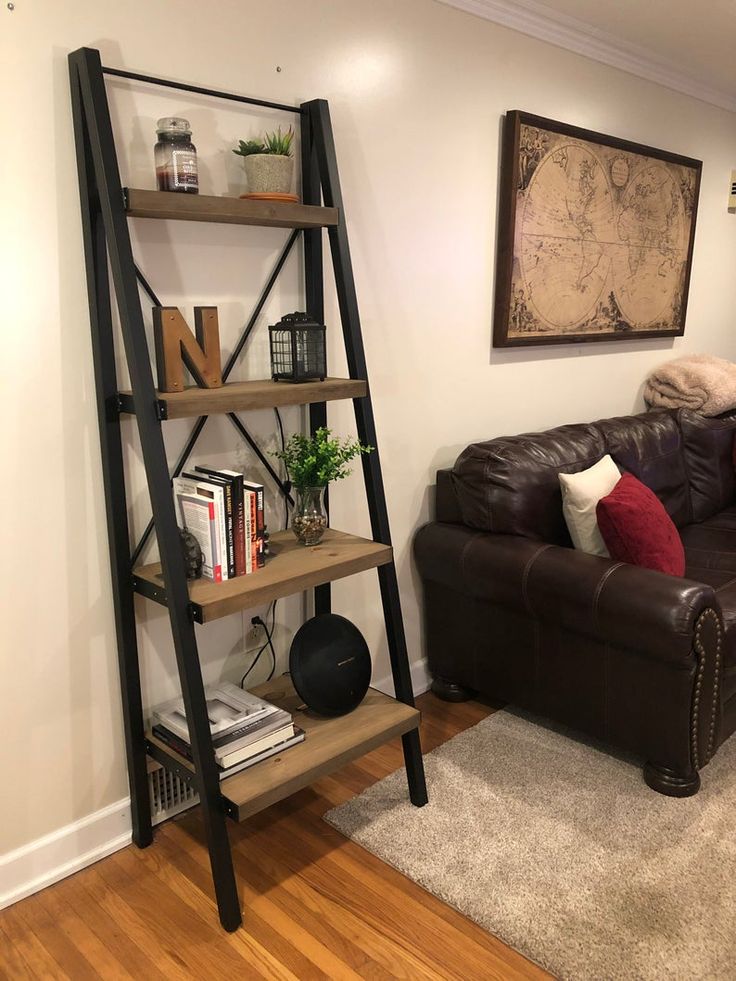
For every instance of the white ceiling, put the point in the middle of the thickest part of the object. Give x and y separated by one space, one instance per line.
689 45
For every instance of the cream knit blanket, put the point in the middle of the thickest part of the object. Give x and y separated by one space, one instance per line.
696 381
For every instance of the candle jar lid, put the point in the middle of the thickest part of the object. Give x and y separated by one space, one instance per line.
174 124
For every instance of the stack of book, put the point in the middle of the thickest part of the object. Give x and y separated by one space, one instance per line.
224 512
245 729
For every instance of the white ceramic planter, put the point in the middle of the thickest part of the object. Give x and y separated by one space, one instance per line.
269 173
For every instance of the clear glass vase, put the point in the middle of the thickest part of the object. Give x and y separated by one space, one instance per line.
309 519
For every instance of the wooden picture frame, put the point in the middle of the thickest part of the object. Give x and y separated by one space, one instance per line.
595 236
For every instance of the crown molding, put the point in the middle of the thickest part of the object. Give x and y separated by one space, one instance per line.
539 21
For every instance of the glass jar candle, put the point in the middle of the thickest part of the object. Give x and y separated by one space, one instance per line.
176 156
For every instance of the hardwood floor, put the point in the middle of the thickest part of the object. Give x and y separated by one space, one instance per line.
316 905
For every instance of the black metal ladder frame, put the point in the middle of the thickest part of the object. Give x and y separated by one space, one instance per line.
106 238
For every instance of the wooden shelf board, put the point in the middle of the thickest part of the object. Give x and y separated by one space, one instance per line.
290 569
231 211
259 394
329 744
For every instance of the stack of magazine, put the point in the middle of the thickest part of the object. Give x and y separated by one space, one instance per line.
245 729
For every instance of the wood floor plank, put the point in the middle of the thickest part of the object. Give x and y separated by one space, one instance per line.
80 894
324 912
66 919
257 899
199 940
185 854
32 950
12 965
54 938
316 905
194 890
108 885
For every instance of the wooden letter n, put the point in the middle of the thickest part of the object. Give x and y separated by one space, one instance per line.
177 346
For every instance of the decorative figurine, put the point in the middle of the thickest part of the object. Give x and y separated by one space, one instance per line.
192 554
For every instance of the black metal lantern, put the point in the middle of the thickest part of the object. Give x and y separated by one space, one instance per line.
298 349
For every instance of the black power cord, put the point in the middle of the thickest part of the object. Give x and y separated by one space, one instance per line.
287 482
258 621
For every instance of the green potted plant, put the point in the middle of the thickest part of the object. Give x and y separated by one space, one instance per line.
312 462
269 165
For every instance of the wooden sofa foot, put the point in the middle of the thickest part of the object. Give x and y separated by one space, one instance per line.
448 691
670 783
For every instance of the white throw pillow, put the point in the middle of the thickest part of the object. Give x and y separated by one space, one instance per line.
580 495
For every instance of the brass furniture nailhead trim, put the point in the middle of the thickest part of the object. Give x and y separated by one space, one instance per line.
699 684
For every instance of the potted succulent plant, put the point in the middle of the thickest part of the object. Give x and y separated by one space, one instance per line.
312 462
269 165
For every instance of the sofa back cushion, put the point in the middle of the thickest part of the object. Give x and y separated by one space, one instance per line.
511 485
708 446
649 446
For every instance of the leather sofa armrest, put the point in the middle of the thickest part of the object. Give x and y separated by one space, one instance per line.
638 609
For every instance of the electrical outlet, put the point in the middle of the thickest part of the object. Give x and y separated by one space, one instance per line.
253 635
732 195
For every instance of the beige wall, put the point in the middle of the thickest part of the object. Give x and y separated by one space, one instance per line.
417 91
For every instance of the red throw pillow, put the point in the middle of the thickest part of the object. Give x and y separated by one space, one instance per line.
637 529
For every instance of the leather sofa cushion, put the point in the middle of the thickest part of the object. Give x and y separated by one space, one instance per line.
649 446
708 446
510 484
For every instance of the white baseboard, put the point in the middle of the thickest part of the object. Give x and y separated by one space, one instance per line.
46 860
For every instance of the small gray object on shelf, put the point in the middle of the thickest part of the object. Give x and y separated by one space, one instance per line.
192 554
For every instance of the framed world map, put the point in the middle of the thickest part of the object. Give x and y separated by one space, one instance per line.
595 237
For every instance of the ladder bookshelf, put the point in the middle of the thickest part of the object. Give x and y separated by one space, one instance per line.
106 208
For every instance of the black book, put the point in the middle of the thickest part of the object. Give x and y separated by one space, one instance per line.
238 518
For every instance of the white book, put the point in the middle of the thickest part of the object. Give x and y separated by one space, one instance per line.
197 515
255 746
298 737
228 707
194 484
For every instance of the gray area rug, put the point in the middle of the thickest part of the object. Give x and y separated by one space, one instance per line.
563 852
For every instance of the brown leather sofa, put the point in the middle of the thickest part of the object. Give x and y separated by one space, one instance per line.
640 659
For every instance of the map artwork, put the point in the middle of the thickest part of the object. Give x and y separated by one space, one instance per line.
595 237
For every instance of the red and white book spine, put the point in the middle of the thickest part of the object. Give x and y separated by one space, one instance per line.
216 569
260 523
254 530
249 530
